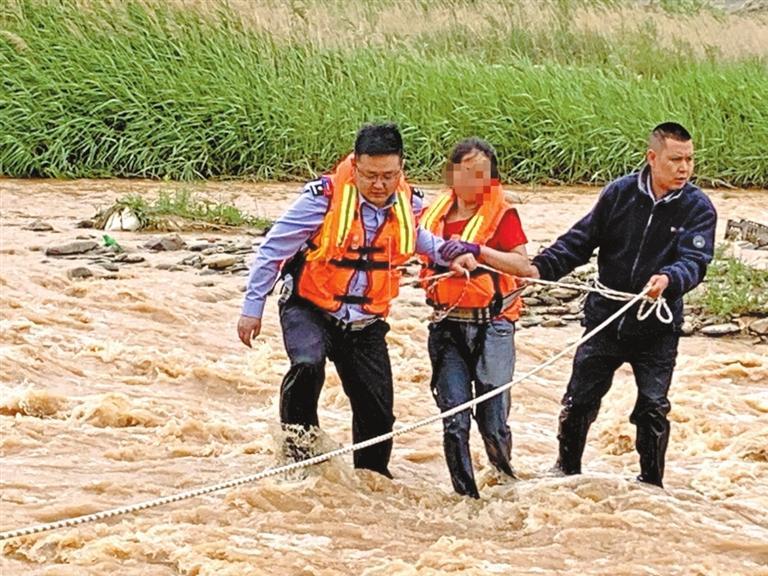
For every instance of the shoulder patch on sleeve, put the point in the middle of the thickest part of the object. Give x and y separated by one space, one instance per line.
314 187
417 192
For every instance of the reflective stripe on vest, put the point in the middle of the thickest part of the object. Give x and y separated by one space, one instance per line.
400 208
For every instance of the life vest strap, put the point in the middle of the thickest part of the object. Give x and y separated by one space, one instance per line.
480 315
349 299
360 264
368 250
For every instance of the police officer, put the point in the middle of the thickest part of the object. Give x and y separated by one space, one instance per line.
341 245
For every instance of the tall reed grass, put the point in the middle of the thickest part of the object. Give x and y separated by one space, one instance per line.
196 90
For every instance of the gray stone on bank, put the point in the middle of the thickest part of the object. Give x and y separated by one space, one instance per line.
530 321
557 310
564 293
76 247
129 258
759 327
109 266
720 329
169 243
38 226
79 273
219 261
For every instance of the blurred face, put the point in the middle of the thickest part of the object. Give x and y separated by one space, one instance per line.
376 177
471 177
671 164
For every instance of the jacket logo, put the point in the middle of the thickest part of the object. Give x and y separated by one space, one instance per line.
698 241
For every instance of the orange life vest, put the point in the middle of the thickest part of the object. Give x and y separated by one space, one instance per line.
338 250
486 294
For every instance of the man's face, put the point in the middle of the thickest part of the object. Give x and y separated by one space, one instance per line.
671 164
471 177
376 177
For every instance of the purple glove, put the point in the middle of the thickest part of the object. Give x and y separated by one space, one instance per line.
454 248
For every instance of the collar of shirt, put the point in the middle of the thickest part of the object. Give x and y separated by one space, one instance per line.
645 184
390 202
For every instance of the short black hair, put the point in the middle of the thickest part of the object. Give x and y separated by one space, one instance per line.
471 144
379 140
668 130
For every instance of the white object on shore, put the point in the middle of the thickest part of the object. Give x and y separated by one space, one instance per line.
125 219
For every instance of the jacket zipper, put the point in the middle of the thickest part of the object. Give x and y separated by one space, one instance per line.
637 260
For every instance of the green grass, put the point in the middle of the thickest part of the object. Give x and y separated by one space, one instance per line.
146 89
185 204
731 288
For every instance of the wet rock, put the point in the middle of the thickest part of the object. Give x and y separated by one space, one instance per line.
548 300
38 226
564 293
129 258
79 273
720 329
195 260
109 266
220 261
759 327
529 321
199 247
532 301
553 323
76 247
168 243
574 308
688 327
85 224
573 317
557 310
243 249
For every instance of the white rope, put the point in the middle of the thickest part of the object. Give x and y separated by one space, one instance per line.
647 305
68 522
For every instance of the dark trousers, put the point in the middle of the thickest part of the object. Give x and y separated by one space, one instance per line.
652 360
362 361
463 354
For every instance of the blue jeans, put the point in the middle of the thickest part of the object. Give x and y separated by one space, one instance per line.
463 354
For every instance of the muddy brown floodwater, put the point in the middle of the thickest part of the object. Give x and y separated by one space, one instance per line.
120 390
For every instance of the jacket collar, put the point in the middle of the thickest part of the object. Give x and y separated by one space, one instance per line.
644 185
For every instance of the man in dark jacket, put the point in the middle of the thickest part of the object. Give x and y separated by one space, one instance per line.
653 228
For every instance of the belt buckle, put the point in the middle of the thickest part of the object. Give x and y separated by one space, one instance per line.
358 325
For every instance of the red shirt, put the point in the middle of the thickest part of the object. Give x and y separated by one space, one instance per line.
508 235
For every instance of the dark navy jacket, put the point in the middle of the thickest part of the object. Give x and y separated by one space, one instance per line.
638 237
